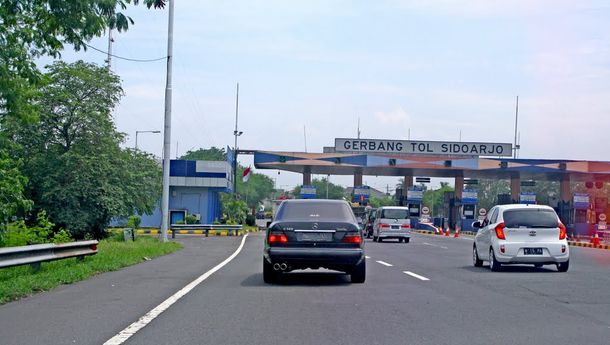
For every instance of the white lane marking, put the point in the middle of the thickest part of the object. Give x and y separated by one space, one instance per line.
434 245
125 334
367 257
384 263
415 275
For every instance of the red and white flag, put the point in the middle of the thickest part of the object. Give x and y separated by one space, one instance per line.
247 173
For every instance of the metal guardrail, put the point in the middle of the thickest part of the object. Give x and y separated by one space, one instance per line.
38 253
206 227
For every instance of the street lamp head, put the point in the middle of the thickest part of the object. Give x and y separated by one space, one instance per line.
237 133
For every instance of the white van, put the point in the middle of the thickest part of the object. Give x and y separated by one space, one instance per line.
392 222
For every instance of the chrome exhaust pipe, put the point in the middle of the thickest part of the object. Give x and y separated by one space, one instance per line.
283 266
276 266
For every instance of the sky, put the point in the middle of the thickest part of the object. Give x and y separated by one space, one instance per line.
432 68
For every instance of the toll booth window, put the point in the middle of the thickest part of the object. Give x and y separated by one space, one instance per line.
530 219
395 214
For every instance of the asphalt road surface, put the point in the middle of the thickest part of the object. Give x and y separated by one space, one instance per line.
423 292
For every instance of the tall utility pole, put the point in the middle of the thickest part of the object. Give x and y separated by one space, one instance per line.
236 133
110 41
516 124
167 132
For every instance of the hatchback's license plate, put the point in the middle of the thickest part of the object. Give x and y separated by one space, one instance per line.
532 251
314 236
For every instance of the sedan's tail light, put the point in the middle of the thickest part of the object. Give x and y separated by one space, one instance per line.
277 238
383 225
405 226
356 239
563 232
500 231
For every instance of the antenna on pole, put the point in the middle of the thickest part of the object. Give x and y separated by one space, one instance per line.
358 127
516 126
305 137
518 142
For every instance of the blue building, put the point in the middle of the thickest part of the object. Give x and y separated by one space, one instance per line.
195 188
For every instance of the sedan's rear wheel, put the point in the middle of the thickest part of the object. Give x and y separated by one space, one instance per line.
406 239
379 239
563 266
358 274
493 263
375 238
269 275
475 257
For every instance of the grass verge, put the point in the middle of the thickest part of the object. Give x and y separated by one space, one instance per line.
21 281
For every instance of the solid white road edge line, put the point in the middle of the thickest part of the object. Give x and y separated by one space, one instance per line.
415 275
151 315
384 263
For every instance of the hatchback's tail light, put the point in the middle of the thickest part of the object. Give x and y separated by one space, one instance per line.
383 225
356 239
277 238
500 231
405 226
563 232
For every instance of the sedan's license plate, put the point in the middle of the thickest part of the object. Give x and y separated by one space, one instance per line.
532 251
314 236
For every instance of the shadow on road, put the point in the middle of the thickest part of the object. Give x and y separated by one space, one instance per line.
300 278
513 269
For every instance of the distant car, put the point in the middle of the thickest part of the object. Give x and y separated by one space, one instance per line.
521 234
314 234
392 222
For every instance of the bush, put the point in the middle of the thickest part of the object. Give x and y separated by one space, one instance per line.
191 219
20 234
250 220
62 236
134 221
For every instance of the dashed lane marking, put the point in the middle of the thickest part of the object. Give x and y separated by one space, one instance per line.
384 263
414 275
367 257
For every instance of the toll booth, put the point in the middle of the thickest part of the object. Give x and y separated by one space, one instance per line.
415 197
581 214
468 211
308 192
361 195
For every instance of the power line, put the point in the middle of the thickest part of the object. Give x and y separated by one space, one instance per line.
124 58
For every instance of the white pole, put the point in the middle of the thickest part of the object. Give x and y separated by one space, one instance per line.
167 133
110 40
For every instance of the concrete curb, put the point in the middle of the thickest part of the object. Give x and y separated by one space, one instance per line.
196 232
571 243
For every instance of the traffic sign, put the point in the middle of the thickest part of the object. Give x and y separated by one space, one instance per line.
602 217
529 183
425 210
471 181
422 180
482 212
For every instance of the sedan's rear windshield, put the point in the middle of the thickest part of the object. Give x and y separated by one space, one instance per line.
395 213
534 218
315 211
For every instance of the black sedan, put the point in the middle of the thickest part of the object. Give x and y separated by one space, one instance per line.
314 234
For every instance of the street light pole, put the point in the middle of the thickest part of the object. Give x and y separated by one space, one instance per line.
167 132
236 133
137 132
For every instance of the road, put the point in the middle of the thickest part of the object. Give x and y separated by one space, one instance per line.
423 292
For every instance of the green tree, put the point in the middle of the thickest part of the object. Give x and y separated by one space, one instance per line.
435 198
78 173
12 186
335 191
258 188
30 29
382 201
488 191
211 154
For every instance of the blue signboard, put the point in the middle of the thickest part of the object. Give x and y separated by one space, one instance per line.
230 158
361 194
581 201
308 192
415 195
470 197
527 198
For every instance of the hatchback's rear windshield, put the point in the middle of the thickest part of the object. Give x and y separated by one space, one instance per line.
315 211
395 213
534 218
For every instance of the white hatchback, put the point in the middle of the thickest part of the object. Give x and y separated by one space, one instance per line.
521 234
